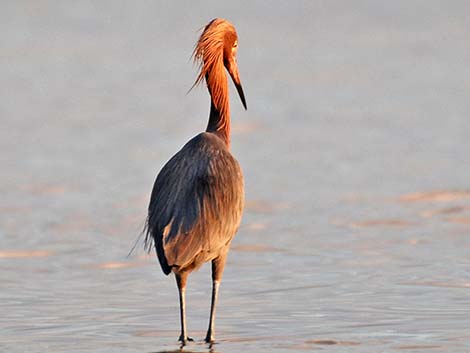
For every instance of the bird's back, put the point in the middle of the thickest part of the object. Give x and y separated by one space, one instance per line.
196 204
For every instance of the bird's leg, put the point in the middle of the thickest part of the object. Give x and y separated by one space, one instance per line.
181 282
218 265
210 337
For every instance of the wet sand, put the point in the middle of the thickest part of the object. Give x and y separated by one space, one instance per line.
355 149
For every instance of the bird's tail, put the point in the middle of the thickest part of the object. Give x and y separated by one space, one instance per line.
147 241
153 241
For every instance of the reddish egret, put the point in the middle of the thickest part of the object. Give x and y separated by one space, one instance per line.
197 200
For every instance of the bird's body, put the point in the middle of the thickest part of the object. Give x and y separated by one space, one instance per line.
197 199
203 188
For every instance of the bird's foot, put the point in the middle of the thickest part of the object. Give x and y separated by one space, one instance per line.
210 339
185 340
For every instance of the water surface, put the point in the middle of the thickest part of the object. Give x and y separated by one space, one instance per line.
355 150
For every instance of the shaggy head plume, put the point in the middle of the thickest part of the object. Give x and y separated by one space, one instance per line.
210 53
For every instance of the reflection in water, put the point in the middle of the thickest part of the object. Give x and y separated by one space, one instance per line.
176 351
436 196
208 349
24 254
420 346
381 223
459 220
328 342
441 211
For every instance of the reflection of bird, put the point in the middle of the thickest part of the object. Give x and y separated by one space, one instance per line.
197 200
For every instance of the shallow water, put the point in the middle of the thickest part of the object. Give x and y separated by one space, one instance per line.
356 234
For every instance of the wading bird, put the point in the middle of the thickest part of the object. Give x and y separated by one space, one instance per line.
197 199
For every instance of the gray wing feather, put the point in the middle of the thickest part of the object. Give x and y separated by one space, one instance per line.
196 202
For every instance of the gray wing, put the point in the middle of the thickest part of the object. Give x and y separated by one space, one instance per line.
196 202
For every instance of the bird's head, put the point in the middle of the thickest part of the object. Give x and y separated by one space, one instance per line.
216 49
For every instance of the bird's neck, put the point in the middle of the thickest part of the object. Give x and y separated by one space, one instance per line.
219 117
219 124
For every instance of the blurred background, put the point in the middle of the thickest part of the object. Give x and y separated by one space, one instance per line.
355 149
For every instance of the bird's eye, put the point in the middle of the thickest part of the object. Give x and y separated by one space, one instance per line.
235 44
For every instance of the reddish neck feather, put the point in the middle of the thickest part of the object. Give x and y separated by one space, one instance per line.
219 117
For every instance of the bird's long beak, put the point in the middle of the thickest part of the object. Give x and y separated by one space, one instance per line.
233 71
